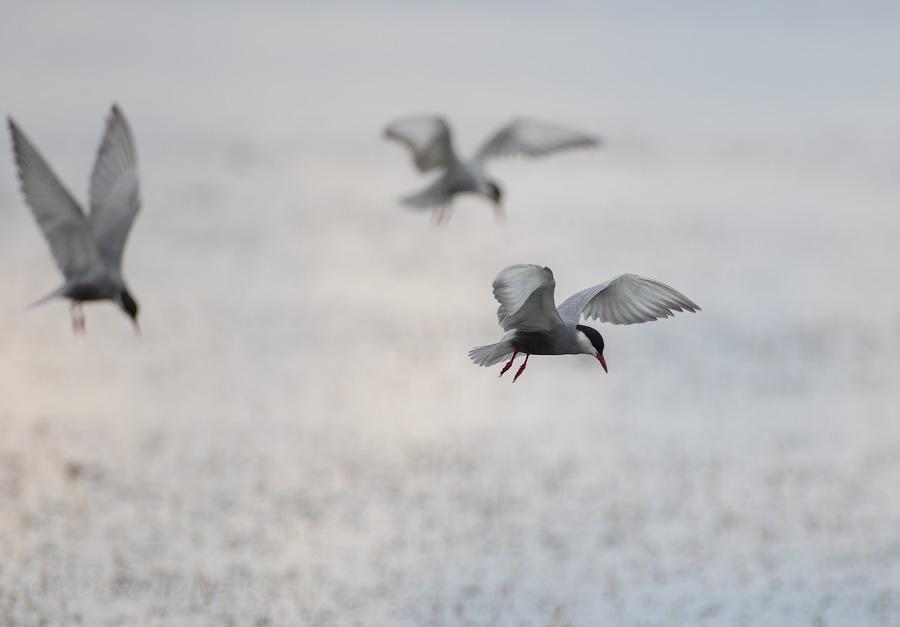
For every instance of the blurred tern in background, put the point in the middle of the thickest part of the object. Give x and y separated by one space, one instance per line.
537 327
88 250
429 139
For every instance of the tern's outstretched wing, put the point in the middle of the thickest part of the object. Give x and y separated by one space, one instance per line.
56 212
533 138
525 294
428 138
626 299
115 193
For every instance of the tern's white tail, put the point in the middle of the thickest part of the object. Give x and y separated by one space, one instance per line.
492 353
54 294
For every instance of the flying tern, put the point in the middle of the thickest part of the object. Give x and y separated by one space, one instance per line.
432 147
536 326
87 249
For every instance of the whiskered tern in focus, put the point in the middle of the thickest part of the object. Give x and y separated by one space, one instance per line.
537 327
429 139
87 249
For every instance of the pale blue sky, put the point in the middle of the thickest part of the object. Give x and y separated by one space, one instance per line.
341 69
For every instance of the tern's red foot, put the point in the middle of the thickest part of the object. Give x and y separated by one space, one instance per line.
442 215
509 363
521 368
77 318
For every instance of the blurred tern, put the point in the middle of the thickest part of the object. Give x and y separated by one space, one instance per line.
429 140
87 250
537 327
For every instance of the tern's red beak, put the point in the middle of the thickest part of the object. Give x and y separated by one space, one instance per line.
498 212
602 362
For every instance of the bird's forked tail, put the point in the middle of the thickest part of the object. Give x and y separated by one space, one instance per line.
492 353
54 294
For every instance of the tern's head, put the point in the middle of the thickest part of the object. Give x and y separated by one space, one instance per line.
593 344
126 302
494 193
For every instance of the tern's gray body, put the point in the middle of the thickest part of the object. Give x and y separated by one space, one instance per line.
458 178
87 249
537 327
430 140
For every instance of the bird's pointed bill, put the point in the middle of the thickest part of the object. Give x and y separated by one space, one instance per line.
603 363
498 212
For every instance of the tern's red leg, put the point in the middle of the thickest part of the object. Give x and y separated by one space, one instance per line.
509 364
77 324
521 368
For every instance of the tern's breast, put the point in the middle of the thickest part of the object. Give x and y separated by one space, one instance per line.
536 343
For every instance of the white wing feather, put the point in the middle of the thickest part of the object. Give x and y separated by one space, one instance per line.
114 192
533 138
626 299
526 296
56 212
428 138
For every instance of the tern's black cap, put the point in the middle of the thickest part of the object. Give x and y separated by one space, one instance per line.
594 336
128 304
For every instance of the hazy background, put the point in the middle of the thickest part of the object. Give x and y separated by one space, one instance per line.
298 437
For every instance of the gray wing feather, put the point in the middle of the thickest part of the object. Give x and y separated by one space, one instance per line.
59 216
626 299
526 296
115 189
533 138
428 138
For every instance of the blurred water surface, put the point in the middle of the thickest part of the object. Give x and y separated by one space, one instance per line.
297 437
